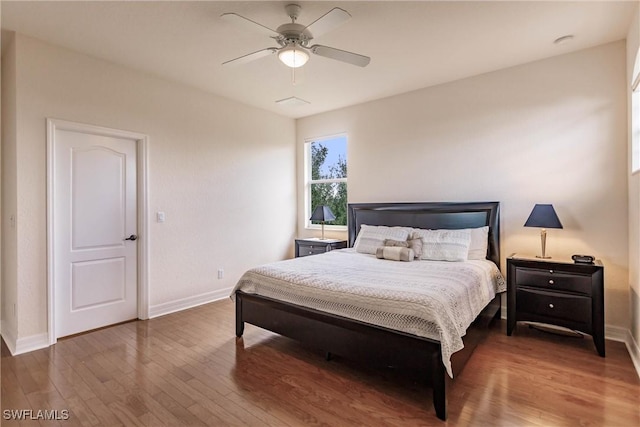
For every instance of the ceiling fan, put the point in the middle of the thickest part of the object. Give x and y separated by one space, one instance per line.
294 38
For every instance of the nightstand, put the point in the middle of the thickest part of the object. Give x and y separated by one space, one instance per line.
558 292
313 246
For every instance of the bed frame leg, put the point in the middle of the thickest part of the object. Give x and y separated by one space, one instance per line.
439 386
327 356
239 322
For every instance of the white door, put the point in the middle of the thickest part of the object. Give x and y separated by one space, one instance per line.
94 212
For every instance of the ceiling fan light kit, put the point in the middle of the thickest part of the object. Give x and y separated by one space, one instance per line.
293 56
294 38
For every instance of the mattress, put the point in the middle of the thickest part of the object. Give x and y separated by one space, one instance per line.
431 299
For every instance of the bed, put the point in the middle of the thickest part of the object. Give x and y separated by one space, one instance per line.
355 336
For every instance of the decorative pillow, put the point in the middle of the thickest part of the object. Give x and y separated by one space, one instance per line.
395 253
416 244
371 237
479 243
391 242
444 245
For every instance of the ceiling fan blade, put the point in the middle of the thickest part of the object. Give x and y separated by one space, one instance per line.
328 21
251 56
340 55
248 23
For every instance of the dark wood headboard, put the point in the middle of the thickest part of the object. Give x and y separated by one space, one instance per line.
430 215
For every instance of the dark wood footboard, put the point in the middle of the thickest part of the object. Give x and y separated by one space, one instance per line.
361 341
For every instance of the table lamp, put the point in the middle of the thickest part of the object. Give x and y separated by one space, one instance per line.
543 216
322 213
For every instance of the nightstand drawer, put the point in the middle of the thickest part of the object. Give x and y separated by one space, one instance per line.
553 280
554 306
305 250
306 247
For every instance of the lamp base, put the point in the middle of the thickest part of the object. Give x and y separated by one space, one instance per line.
543 240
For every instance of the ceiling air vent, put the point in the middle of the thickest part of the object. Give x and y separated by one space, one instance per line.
292 102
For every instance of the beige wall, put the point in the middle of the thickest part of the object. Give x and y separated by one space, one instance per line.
223 173
633 44
529 134
552 131
9 241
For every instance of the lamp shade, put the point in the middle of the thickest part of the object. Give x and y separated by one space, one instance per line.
322 213
293 56
543 216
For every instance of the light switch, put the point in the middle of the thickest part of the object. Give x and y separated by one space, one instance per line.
160 216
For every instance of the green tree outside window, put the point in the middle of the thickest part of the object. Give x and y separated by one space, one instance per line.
328 177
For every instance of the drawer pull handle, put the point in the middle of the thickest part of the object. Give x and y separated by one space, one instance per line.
551 282
550 305
551 271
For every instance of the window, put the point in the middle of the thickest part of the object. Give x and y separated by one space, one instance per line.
326 178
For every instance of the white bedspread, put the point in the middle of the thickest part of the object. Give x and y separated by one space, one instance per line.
433 299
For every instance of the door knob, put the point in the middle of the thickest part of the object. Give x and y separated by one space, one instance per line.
132 237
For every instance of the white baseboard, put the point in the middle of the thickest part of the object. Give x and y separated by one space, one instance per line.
189 302
31 343
26 344
616 333
634 352
624 335
9 338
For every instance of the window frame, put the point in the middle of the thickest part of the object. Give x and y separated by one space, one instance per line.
308 225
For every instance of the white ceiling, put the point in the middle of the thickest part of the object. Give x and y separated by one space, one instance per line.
412 45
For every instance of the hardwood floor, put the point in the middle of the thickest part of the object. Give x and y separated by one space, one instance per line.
188 368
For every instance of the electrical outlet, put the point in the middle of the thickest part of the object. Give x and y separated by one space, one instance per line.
220 273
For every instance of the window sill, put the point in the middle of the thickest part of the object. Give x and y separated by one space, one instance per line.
326 227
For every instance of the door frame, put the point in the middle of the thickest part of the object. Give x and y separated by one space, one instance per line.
142 212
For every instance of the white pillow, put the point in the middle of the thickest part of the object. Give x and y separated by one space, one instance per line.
444 245
479 243
371 237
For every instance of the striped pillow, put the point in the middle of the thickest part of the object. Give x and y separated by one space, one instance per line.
371 237
444 245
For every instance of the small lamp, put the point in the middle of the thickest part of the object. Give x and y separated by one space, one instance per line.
322 213
543 216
